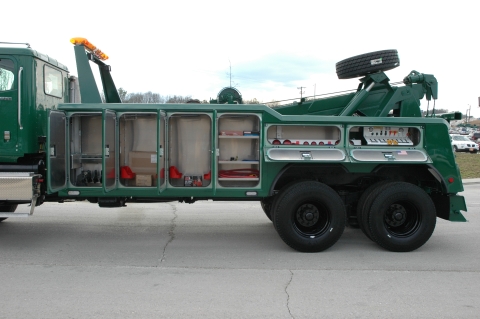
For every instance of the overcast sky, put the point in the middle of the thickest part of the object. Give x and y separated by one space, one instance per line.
273 47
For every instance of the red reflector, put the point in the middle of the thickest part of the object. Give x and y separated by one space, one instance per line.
450 180
40 180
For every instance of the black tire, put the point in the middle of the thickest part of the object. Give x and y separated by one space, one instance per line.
266 205
367 63
279 195
365 203
402 217
455 149
7 209
309 216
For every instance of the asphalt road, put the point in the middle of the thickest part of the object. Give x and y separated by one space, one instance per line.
224 260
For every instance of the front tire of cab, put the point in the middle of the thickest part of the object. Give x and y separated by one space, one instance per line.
309 216
7 209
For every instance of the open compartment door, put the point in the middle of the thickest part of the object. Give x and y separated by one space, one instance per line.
161 133
56 151
109 142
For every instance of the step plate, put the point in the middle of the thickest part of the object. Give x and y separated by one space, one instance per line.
17 186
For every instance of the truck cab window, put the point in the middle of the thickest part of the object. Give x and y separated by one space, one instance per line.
52 81
6 74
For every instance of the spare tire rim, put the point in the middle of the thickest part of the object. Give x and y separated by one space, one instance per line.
311 219
402 219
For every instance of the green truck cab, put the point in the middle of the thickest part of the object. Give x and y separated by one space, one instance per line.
366 158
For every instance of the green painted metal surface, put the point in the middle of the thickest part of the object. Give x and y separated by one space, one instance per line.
25 116
88 86
376 103
457 203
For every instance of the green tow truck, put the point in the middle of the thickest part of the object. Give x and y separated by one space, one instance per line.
365 158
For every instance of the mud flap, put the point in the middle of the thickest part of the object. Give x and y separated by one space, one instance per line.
449 207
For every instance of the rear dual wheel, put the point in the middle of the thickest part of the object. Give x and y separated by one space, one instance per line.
398 216
309 216
365 203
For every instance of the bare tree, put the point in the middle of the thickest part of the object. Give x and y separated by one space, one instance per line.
147 97
272 104
122 94
178 98
151 97
252 101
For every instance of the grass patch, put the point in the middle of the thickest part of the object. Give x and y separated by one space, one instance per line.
469 164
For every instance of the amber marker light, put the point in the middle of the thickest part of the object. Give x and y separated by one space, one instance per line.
90 47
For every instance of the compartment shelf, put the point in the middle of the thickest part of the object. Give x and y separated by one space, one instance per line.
238 138
239 162
249 179
91 157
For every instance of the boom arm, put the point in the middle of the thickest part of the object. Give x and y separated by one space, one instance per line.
85 52
429 82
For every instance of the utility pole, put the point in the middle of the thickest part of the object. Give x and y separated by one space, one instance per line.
301 91
314 90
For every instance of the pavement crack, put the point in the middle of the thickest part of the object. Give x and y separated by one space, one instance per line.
171 231
288 296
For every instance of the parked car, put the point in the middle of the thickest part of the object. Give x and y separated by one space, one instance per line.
462 143
474 136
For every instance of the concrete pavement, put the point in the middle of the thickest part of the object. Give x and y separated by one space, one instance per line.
471 181
225 260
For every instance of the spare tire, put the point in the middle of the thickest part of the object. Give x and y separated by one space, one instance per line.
367 63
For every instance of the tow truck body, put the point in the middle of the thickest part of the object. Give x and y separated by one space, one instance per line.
333 154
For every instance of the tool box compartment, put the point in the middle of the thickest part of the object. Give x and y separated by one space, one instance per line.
189 148
238 150
86 149
138 149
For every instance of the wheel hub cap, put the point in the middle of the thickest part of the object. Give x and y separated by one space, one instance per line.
396 215
307 215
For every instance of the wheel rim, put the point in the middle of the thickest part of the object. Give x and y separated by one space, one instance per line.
402 219
311 219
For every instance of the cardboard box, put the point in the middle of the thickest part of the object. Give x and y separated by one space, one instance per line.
143 180
142 162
